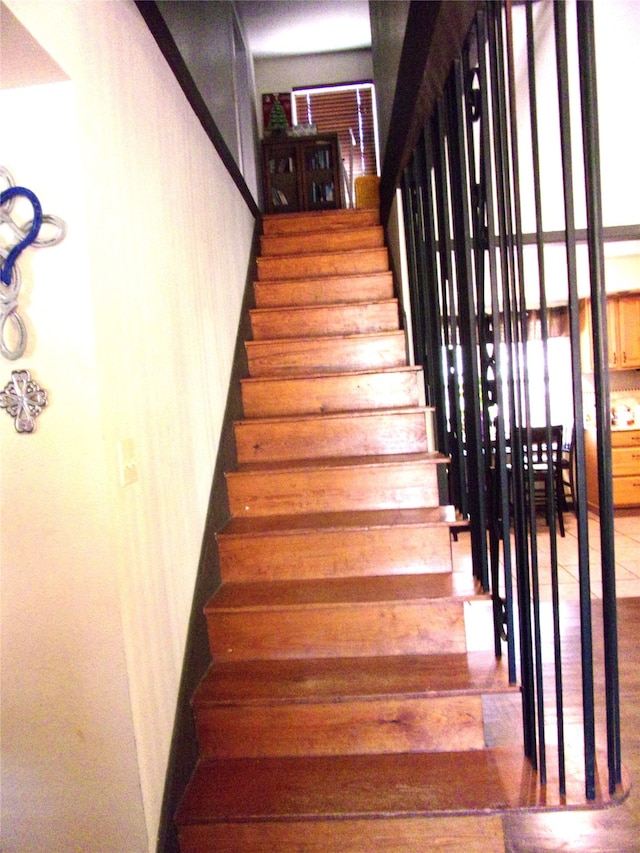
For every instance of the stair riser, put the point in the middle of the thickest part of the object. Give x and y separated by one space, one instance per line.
327 221
324 291
332 490
328 263
325 394
322 437
360 318
368 629
336 553
355 727
477 834
336 241
300 357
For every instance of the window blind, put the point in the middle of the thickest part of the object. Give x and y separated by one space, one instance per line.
347 111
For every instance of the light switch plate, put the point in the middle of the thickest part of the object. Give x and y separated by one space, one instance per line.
127 465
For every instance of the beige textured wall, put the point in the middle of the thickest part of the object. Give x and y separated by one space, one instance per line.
132 323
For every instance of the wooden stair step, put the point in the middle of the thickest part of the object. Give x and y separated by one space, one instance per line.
304 356
333 392
346 705
349 727
316 593
310 242
477 833
405 481
336 788
367 433
319 320
337 544
327 290
266 682
327 220
326 263
339 617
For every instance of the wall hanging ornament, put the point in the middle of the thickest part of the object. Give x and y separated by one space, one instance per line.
23 399
14 239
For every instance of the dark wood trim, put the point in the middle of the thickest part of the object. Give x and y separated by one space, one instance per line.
165 41
610 234
183 753
434 37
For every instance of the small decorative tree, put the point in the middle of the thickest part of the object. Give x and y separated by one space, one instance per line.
277 118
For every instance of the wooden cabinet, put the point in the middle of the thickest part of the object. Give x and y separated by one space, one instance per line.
586 349
301 174
628 311
625 461
623 330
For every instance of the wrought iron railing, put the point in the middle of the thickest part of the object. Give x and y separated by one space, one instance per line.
475 276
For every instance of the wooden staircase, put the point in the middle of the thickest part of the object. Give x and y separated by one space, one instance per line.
342 712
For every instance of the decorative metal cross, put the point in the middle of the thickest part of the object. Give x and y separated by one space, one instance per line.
24 400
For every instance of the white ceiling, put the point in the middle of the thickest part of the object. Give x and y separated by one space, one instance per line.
294 27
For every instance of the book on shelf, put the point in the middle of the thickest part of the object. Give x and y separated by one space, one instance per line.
321 192
281 165
278 197
320 159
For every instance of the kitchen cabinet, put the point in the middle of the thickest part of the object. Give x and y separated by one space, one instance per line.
625 461
623 330
301 174
628 318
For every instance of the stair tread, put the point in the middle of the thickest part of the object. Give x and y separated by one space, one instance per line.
342 591
321 289
328 279
342 415
267 682
432 457
357 519
322 254
356 336
370 786
360 236
313 376
330 219
326 306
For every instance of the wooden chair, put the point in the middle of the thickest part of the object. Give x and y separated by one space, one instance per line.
539 454
567 469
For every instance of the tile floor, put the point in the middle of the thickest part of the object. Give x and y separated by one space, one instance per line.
627 556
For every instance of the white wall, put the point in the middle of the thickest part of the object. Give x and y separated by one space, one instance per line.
211 42
617 30
132 323
282 74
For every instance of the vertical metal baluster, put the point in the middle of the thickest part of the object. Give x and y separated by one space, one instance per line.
427 274
586 632
535 149
511 334
434 336
467 312
417 319
449 310
523 337
501 472
588 93
476 206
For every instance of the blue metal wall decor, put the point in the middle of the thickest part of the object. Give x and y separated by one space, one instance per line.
23 399
20 237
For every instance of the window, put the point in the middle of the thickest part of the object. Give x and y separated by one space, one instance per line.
350 111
